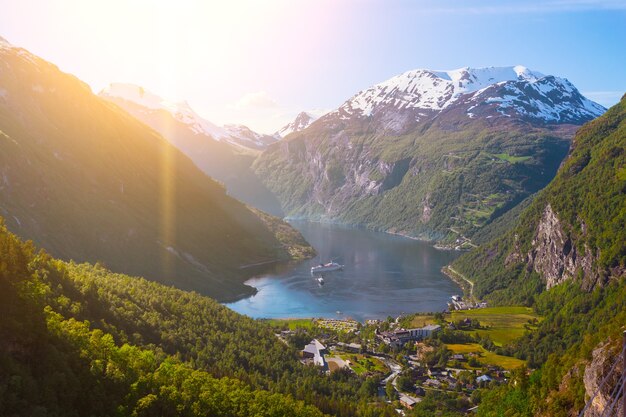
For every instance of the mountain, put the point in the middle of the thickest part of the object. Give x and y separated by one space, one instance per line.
88 182
301 122
246 137
571 228
565 255
431 154
420 95
224 153
237 135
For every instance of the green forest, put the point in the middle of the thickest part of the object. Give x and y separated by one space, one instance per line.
78 340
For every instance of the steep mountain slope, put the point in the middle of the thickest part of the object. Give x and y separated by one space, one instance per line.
88 182
430 154
573 228
566 257
301 122
236 135
225 154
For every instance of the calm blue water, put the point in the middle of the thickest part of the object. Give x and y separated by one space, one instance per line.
383 275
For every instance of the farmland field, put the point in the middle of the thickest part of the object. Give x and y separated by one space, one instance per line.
502 324
486 357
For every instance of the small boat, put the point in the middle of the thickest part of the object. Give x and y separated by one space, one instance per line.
320 280
330 266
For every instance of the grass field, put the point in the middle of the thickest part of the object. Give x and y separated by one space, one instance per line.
292 324
361 364
486 357
503 324
510 158
417 320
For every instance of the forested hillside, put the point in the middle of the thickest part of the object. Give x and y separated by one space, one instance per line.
567 258
78 340
86 181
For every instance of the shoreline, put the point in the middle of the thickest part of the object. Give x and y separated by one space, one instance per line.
434 243
460 280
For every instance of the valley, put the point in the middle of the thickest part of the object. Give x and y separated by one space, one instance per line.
280 209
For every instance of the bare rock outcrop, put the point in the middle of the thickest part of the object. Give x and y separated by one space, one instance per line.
603 358
554 254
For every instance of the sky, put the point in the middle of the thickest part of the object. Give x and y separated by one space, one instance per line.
261 62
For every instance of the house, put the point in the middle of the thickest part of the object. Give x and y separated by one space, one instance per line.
432 383
408 401
483 378
398 338
424 332
458 357
350 347
435 371
452 383
390 338
316 351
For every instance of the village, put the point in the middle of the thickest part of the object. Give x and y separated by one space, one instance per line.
444 353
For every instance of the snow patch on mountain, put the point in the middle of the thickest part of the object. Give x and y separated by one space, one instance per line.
433 91
237 135
180 110
550 99
245 136
301 122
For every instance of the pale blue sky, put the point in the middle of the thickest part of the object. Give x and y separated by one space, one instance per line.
260 62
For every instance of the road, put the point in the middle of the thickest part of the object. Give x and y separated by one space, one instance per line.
395 368
458 274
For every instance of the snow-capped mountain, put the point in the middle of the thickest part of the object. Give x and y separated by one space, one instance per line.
429 153
245 136
180 110
426 93
301 122
238 135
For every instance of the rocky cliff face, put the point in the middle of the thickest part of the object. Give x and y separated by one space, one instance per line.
554 254
603 358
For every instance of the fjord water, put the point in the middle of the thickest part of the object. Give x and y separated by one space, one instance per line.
383 275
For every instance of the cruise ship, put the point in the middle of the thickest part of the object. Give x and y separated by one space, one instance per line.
330 266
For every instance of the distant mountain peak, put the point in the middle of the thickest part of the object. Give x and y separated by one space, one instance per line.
237 135
180 110
428 92
301 122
